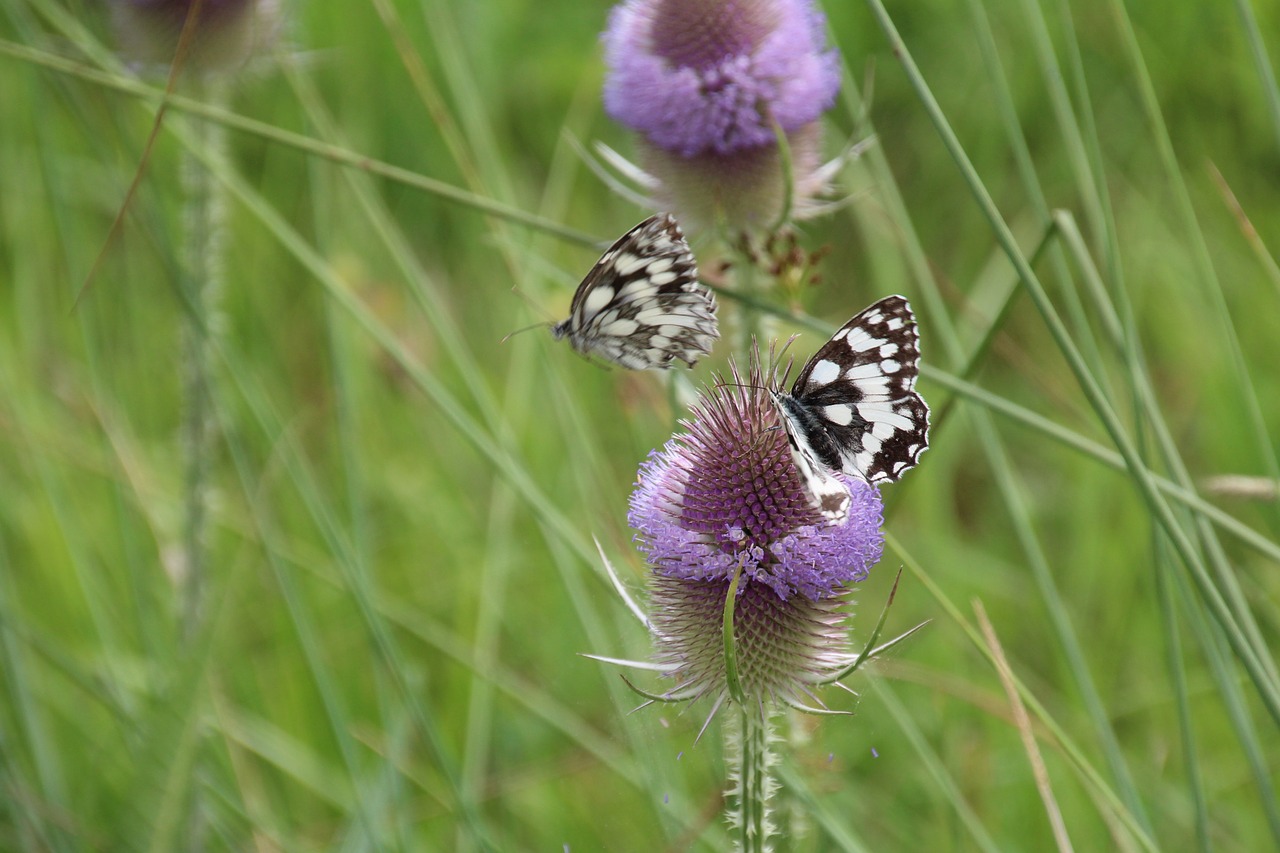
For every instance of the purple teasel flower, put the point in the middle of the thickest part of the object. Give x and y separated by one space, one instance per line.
721 510
709 85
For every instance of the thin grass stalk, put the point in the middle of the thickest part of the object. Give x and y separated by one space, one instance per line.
1105 236
457 100
297 141
1226 678
137 559
1124 338
933 764
504 458
913 253
1261 62
488 170
1198 244
1268 690
1103 455
308 635
1097 786
1064 631
797 825
493 584
518 688
429 94
1074 124
471 140
1072 145
1178 678
1022 722
838 831
357 583
1055 607
30 828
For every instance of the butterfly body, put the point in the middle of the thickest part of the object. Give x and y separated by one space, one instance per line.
854 409
641 306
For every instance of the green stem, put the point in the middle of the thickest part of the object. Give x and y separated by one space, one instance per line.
751 768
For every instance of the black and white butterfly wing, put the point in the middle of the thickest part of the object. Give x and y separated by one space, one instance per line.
827 493
641 305
854 407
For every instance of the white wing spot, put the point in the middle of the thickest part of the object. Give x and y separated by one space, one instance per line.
638 291
621 328
660 265
597 299
870 381
627 263
877 414
823 373
841 415
860 340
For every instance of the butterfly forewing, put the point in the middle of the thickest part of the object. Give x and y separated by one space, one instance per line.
641 305
854 407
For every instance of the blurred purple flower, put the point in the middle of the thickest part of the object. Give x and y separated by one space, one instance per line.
226 34
712 75
705 82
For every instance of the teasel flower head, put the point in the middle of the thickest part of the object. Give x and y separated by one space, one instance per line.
222 35
721 512
709 85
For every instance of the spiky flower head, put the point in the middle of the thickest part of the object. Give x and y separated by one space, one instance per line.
724 500
708 84
223 34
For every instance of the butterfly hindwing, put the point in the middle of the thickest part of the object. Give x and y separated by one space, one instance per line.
854 408
641 305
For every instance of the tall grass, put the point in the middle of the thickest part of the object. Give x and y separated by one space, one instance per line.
1077 197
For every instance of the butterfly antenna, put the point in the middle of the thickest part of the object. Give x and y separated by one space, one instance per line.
175 70
525 329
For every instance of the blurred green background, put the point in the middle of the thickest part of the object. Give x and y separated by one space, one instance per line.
402 573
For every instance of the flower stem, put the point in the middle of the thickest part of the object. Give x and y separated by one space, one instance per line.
750 770
203 271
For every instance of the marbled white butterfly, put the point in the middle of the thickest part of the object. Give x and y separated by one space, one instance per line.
854 409
641 305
